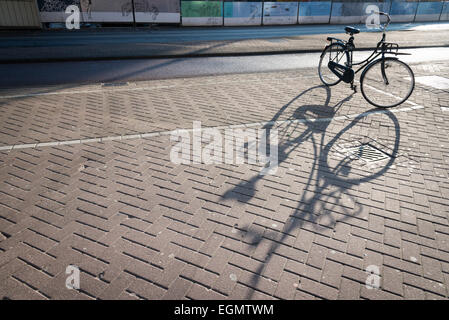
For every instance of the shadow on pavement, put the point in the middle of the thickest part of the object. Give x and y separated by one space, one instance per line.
316 199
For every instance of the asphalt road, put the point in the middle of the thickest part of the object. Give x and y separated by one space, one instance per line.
61 73
180 35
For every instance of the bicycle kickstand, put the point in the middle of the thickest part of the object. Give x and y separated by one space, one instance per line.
353 86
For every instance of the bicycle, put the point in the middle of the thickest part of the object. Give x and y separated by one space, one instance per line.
385 82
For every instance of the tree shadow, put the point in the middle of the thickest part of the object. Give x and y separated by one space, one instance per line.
325 183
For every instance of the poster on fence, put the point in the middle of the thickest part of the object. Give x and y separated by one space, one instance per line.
162 11
314 12
280 13
157 11
202 13
242 13
91 10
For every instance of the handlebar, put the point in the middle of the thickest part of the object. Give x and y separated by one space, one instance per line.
388 20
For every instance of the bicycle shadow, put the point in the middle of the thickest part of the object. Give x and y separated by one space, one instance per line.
325 183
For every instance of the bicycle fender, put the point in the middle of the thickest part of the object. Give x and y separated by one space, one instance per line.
373 62
324 50
335 39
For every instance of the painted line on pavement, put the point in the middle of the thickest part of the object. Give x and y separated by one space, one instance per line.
100 90
170 132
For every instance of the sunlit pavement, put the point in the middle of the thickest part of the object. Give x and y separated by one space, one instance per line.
86 180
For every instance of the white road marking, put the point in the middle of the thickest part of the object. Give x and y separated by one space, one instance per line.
130 89
434 81
167 133
391 95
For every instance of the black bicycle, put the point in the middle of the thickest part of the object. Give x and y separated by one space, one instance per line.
385 82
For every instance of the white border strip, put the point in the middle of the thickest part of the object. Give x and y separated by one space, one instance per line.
165 133
130 88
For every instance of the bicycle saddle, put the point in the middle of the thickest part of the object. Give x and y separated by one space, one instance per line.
352 30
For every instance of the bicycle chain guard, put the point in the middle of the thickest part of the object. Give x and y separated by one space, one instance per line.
342 72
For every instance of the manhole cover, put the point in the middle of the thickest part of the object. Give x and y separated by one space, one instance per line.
368 153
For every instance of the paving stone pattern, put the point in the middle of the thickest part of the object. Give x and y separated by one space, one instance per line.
141 227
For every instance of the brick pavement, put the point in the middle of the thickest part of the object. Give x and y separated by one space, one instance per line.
140 227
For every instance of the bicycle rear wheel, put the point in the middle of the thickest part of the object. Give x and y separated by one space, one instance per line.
386 83
336 53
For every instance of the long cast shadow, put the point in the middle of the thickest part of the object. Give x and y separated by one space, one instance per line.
314 202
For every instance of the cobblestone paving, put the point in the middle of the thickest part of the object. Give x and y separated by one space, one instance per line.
141 227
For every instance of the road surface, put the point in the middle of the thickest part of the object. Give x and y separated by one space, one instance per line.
180 35
62 73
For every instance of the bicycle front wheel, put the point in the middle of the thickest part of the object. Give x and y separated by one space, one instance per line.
386 83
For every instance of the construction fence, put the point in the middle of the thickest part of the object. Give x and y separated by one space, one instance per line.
218 13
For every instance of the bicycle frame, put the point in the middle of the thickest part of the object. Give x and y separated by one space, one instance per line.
346 72
382 45
382 49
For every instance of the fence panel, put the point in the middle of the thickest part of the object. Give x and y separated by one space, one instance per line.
242 13
314 12
403 11
202 13
280 13
354 12
218 13
429 10
91 10
19 13
445 12
158 11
